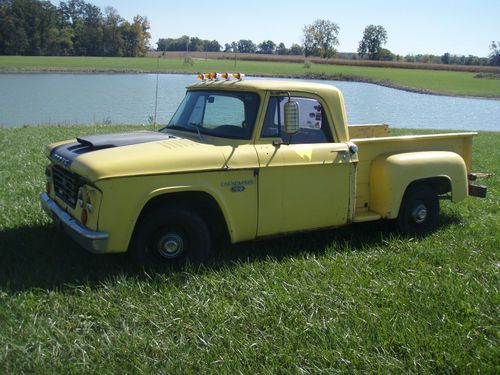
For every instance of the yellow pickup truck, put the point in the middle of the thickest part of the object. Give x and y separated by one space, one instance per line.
248 159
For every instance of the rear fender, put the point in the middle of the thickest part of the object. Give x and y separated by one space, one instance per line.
391 175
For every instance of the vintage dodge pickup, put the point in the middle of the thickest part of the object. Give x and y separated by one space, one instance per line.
248 159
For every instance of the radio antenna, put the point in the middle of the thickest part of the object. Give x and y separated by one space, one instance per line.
156 91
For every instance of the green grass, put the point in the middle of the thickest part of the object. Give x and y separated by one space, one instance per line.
445 82
356 299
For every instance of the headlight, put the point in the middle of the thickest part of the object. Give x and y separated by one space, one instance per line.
80 198
84 198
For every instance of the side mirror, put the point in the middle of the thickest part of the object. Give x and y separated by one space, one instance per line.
291 117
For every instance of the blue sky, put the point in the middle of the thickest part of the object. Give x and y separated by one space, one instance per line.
419 26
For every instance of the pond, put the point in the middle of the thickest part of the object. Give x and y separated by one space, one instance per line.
130 99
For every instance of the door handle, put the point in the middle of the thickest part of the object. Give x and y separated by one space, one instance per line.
344 154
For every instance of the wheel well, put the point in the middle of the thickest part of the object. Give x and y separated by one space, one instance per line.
203 203
441 185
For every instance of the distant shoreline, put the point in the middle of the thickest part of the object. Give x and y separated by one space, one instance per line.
313 76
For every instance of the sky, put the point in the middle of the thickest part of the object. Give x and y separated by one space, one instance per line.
460 27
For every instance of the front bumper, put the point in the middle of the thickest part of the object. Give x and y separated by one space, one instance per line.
93 241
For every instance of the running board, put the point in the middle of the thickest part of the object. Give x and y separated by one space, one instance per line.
361 217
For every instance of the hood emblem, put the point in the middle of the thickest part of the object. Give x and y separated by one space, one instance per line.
61 160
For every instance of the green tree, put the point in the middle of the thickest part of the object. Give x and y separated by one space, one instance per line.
136 36
374 37
60 41
321 38
296 49
196 44
211 46
112 38
174 44
495 53
246 46
141 27
186 43
386 55
267 47
13 37
34 27
310 48
445 59
92 30
282 50
26 26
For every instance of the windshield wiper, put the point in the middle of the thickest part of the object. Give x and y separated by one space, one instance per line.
197 127
175 127
185 128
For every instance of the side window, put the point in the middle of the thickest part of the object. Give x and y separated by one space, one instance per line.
314 126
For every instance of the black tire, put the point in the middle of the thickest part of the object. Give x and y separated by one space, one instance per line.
419 211
171 235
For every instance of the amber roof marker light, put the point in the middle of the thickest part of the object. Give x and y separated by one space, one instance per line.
239 76
214 76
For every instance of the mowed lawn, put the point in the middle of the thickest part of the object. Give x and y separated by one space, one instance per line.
357 299
445 82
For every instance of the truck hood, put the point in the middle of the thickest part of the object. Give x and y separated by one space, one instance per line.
98 157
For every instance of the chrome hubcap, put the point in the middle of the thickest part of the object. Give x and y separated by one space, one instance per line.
419 214
170 245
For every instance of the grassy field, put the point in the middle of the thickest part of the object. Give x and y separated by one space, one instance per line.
356 299
444 82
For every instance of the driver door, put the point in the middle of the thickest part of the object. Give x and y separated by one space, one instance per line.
303 185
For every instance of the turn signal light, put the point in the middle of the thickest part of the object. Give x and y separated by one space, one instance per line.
84 217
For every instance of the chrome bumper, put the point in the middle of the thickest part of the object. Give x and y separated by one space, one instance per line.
92 241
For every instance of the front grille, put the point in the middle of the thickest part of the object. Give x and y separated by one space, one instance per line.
66 185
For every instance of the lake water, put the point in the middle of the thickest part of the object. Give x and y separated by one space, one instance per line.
130 99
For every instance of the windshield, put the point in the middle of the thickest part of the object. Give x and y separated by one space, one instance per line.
218 113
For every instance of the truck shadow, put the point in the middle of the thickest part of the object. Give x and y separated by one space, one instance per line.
42 257
357 237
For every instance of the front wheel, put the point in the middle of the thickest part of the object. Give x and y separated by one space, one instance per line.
419 211
171 235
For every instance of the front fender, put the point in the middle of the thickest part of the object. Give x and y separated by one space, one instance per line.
124 199
391 174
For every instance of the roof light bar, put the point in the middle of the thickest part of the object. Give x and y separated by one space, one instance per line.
213 76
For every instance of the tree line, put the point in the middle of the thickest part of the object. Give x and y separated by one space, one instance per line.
320 39
33 27
195 44
75 27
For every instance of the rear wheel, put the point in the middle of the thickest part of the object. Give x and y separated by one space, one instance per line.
419 211
171 235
